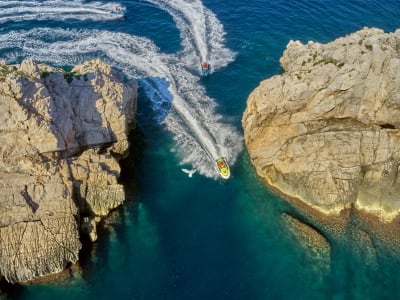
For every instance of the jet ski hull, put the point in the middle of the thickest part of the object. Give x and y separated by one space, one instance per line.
121 13
205 70
223 167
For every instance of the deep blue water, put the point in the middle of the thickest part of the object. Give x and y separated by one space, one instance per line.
200 237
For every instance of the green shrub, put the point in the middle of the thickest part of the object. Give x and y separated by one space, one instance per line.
44 74
68 76
20 73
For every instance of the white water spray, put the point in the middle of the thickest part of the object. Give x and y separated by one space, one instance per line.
201 32
198 131
56 9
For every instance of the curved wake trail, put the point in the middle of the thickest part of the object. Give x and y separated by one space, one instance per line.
198 130
201 32
56 9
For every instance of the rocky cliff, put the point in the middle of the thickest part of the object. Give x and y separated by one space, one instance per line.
326 131
61 135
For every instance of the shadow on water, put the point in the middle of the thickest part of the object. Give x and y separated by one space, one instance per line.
126 237
10 291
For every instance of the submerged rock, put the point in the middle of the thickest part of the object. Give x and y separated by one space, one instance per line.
316 245
326 131
61 134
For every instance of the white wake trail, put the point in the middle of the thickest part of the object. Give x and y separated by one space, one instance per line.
201 32
200 133
56 9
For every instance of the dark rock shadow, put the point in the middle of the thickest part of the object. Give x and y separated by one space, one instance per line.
29 200
11 291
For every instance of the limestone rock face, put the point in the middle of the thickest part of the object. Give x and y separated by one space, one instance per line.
60 135
326 131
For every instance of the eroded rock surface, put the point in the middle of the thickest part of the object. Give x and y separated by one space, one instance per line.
326 131
61 134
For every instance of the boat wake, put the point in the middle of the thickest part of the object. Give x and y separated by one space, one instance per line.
12 11
179 101
201 32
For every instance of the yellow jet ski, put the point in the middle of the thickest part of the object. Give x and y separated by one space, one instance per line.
223 167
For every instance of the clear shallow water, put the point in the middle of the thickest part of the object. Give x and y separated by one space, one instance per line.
200 238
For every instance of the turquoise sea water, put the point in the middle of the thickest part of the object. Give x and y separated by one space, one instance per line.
199 237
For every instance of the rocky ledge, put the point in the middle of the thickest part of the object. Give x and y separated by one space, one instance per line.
61 136
326 131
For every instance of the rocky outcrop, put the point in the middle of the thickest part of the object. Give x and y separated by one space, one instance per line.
61 134
315 244
326 131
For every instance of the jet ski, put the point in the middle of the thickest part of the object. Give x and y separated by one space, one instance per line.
223 167
205 69
119 11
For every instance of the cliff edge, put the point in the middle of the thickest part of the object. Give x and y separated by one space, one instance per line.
61 135
326 131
